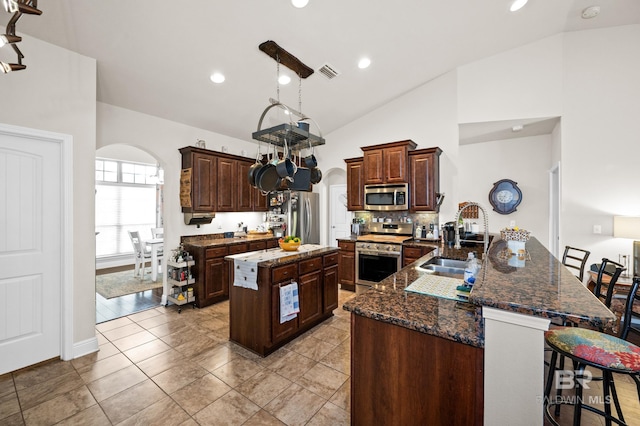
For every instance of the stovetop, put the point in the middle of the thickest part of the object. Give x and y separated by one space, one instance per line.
378 238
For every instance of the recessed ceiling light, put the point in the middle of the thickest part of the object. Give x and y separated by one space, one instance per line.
284 79
364 63
591 12
517 5
299 3
217 77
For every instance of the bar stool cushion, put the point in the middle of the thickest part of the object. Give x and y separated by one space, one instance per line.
597 348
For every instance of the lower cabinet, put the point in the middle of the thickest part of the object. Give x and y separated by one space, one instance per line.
411 254
347 265
310 291
211 271
282 275
255 315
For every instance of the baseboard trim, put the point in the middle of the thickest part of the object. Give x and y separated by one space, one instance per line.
85 347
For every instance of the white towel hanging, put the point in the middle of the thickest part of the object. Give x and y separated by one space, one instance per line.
289 302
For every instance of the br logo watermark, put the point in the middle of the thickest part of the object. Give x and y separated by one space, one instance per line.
567 379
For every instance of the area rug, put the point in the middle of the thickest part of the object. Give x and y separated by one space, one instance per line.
121 283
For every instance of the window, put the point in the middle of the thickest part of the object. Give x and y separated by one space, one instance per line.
127 199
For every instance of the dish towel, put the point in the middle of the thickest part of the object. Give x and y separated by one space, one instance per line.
245 274
289 302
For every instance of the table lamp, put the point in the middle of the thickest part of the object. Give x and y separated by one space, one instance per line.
629 227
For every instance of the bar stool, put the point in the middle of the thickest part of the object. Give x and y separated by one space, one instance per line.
591 348
575 258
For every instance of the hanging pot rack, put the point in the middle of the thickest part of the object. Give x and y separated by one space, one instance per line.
287 133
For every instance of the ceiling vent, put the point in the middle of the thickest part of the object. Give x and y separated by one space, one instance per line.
328 71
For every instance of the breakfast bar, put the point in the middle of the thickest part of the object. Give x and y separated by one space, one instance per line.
486 354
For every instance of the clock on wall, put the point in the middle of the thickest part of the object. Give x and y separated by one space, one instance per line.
505 196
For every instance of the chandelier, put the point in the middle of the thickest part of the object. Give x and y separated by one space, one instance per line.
18 8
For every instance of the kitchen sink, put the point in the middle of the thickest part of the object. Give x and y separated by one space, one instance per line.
442 261
443 266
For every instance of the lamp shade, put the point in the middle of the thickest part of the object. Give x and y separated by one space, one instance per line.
626 227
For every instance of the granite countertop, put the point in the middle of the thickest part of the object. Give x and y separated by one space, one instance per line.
211 241
272 257
543 287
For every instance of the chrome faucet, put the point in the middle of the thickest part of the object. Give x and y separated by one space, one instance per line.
457 245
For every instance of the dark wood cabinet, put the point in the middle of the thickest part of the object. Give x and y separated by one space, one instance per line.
330 297
199 174
218 182
387 163
401 376
424 169
282 275
227 181
255 314
411 254
211 276
355 184
310 293
245 191
347 265
211 270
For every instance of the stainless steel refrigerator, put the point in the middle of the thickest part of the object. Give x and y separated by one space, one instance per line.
303 215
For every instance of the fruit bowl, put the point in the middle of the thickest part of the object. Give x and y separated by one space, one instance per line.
290 246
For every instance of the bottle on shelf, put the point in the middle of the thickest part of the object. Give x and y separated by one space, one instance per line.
424 231
418 230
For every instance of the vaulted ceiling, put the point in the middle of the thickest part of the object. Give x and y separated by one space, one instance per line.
156 56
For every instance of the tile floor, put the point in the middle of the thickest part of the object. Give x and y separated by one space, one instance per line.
160 367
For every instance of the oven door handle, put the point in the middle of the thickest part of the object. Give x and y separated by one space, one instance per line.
378 253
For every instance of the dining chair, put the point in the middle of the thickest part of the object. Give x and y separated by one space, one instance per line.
141 254
157 232
631 313
576 259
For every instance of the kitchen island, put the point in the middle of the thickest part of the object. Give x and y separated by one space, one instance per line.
255 318
476 362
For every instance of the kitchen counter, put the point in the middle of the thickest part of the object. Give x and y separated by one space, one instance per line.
212 240
508 311
544 287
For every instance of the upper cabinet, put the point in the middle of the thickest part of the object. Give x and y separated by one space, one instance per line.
355 183
217 182
387 163
198 181
424 167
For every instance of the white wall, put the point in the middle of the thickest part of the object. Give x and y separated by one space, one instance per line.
600 137
426 115
162 139
524 160
57 92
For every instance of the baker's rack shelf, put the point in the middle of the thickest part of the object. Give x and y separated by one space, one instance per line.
179 276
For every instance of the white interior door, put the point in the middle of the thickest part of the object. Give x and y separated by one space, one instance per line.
340 217
30 250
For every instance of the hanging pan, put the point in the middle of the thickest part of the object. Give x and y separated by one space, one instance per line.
253 170
267 178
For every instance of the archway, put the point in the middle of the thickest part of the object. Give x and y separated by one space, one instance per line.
129 200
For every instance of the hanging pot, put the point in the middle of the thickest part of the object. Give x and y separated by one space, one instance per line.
316 175
301 180
285 167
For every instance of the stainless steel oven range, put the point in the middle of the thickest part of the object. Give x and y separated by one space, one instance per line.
379 254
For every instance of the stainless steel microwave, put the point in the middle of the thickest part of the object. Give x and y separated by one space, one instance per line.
386 197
